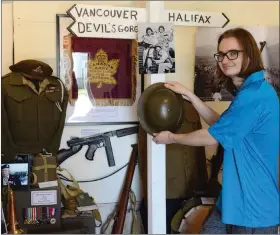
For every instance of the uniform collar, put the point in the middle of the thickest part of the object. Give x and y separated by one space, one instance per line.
252 78
18 79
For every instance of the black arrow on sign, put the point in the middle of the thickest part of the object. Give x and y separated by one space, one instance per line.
70 26
227 20
69 11
70 30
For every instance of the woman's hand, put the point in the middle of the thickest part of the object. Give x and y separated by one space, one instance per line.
179 88
163 137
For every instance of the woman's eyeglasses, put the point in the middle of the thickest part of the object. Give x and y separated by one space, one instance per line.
231 55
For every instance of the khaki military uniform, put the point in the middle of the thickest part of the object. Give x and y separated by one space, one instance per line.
32 116
185 165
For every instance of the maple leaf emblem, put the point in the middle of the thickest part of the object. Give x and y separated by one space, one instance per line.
101 71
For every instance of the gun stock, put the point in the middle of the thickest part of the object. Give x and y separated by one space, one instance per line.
64 154
122 207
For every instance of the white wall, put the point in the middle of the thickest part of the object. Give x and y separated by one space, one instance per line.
40 26
35 38
7 36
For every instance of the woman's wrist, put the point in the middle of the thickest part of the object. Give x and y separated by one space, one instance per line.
191 96
171 138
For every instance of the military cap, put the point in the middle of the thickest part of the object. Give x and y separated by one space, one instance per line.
5 166
33 68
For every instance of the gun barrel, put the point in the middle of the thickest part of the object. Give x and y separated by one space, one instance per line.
84 141
127 131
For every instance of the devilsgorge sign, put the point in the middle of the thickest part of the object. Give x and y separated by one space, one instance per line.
104 21
121 22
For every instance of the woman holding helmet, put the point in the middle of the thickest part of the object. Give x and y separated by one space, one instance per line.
249 132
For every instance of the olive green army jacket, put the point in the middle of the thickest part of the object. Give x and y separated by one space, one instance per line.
186 168
32 118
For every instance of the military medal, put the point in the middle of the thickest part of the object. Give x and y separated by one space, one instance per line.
39 215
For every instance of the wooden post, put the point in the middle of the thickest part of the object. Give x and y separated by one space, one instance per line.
156 153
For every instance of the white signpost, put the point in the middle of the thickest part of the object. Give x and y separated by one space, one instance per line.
195 18
121 22
105 21
156 154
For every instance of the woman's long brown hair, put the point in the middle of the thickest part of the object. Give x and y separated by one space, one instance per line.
252 57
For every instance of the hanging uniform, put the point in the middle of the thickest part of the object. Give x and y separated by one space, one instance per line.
186 169
33 110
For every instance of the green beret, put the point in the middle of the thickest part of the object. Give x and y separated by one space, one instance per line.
33 68
5 166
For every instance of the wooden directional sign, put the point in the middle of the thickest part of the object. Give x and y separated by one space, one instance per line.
195 18
121 22
105 21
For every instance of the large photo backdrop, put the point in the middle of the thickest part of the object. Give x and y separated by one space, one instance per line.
205 64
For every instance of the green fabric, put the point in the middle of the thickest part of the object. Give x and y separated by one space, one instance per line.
177 218
186 169
132 197
32 121
73 190
176 221
32 67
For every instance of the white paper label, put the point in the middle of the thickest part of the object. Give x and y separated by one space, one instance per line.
48 184
48 197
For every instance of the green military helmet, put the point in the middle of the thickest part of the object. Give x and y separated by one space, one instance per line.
160 109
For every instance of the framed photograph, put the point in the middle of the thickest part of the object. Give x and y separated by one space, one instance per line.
16 174
101 77
205 86
4 229
156 50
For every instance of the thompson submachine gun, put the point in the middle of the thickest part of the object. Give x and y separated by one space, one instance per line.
94 142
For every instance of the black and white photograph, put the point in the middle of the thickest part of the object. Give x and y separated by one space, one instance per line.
156 50
205 86
15 174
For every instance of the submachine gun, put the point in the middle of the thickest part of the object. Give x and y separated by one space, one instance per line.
94 142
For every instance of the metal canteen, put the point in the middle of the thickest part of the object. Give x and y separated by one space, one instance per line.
160 109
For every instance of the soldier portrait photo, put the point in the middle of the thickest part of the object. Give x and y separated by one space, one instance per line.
206 86
156 51
15 174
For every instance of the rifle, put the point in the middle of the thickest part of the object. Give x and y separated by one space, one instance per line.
122 207
94 142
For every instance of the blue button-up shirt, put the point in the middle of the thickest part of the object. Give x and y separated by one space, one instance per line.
249 132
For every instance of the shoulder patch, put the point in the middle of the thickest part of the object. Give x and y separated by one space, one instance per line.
6 75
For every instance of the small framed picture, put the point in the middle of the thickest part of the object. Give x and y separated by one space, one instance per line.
16 174
21 158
